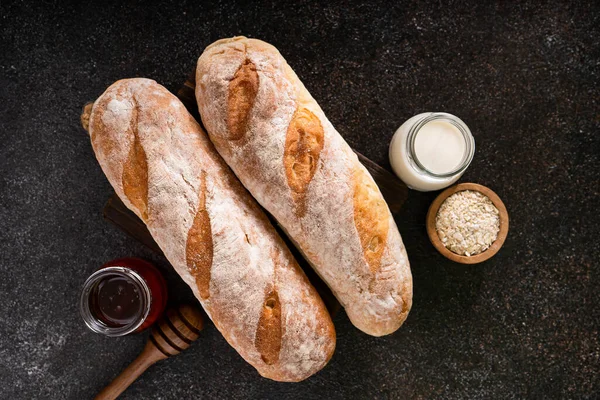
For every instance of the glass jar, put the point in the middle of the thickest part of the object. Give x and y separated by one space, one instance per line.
431 151
124 296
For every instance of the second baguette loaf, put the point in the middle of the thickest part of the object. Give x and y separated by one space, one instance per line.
277 140
164 168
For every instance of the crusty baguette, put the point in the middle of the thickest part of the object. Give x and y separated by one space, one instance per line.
277 140
164 168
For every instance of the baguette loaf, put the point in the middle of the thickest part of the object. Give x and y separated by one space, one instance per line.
164 168
277 140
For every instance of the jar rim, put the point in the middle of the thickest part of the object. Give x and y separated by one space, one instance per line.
100 327
454 121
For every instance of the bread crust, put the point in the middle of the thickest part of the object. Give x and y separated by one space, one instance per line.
164 168
304 173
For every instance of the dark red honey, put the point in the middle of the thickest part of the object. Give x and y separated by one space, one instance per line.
124 296
116 301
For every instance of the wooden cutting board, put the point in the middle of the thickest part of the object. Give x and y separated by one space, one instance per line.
393 189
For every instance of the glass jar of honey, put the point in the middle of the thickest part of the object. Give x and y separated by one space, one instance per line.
124 296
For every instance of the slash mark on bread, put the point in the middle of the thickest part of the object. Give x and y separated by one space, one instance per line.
371 218
135 170
268 332
243 89
199 245
303 145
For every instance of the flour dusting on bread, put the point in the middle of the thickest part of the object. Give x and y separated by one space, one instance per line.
185 176
371 278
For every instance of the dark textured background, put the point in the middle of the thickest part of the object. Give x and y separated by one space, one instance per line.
524 77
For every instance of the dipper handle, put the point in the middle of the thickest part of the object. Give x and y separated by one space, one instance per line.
173 333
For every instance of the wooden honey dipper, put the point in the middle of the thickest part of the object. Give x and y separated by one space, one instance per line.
172 334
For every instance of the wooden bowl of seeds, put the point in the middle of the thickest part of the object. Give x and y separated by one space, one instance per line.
467 223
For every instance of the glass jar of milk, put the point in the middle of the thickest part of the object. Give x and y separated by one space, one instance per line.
431 151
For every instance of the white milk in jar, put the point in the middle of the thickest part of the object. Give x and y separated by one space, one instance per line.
431 151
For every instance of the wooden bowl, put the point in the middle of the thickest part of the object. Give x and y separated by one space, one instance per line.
435 239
